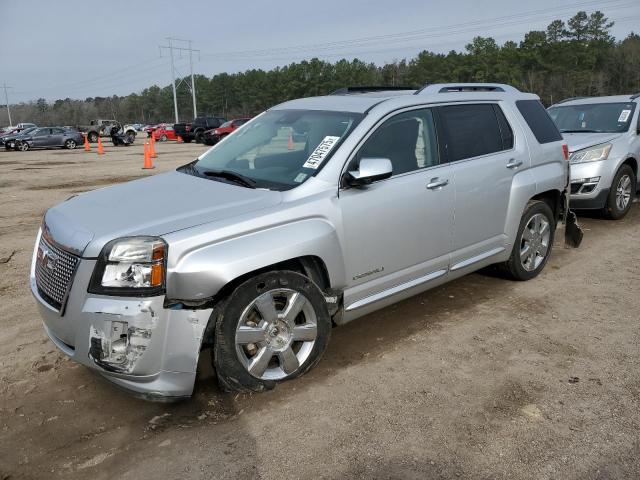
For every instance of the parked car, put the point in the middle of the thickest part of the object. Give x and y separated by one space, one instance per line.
9 140
195 130
163 133
266 241
48 137
603 134
24 126
150 128
213 136
102 128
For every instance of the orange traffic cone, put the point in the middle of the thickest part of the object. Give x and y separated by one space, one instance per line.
148 163
87 147
152 148
179 140
290 144
100 147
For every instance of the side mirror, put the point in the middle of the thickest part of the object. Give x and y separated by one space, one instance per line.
369 170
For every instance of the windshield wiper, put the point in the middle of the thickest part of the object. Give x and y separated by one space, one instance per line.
580 131
233 176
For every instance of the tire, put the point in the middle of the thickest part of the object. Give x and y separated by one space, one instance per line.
70 144
621 194
523 265
267 353
131 135
92 137
22 146
199 136
163 138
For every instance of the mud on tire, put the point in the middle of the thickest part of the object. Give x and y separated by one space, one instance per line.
232 358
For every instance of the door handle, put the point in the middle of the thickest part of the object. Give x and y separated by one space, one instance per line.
436 183
513 163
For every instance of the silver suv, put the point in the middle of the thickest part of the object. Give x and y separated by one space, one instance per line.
603 134
316 212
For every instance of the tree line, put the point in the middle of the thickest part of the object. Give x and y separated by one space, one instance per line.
578 57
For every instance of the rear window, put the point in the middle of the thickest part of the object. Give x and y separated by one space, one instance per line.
539 121
470 131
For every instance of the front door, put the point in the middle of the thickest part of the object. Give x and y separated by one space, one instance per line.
397 232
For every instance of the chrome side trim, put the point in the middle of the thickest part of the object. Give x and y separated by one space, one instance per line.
477 258
393 290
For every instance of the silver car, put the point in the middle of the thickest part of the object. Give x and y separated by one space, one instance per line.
315 213
603 134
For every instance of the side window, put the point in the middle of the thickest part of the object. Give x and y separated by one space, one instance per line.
407 139
470 131
505 129
539 121
43 132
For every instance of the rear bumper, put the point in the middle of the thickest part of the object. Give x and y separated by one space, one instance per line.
162 348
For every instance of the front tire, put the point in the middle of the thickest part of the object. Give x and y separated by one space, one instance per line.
199 136
273 327
622 193
533 244
22 146
163 138
93 137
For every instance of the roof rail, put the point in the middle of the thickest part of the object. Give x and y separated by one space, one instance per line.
348 90
635 95
466 87
569 99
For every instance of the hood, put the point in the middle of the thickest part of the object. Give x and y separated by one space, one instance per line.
579 141
155 206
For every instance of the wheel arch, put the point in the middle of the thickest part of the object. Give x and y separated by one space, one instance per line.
633 163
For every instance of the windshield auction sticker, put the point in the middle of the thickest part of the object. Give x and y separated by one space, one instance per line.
321 152
624 116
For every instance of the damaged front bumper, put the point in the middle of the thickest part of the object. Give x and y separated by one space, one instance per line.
136 343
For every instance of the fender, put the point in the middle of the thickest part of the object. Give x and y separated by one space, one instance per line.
200 273
526 185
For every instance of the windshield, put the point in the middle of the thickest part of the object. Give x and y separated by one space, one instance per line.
29 130
593 117
280 149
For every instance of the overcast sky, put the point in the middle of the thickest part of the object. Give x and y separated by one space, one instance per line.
77 49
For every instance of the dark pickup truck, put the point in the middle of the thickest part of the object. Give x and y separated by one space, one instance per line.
195 130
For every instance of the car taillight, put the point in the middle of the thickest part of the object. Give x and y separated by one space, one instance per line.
565 151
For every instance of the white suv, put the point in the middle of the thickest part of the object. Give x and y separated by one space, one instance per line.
603 134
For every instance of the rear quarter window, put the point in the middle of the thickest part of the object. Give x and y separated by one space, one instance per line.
539 121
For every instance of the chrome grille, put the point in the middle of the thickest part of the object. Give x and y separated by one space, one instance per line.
54 273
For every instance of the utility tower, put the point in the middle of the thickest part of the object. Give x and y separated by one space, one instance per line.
6 99
171 47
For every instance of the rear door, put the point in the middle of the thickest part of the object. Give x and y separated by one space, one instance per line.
57 137
479 145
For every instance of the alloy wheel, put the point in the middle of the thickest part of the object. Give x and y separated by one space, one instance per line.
276 334
534 245
623 192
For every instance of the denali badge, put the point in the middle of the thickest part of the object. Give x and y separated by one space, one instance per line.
370 272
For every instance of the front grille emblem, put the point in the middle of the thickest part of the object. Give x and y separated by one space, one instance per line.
47 258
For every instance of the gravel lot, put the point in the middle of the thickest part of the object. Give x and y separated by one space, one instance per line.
482 378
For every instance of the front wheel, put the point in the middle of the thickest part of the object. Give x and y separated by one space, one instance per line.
163 138
23 146
534 242
93 137
199 136
70 144
272 328
622 193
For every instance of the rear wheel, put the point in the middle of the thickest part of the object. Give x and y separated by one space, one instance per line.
273 327
70 144
622 193
163 138
533 244
199 137
93 137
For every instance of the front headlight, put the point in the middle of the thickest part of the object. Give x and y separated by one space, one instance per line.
591 154
131 266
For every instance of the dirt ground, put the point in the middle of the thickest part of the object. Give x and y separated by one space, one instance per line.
481 379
